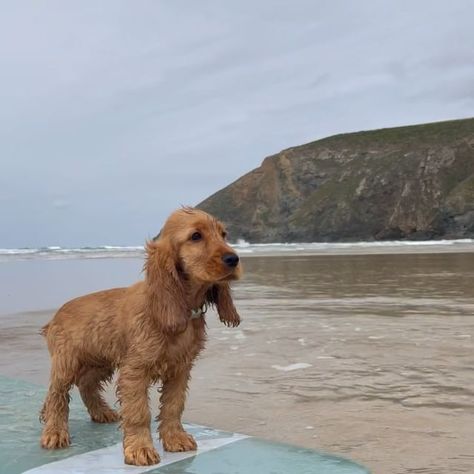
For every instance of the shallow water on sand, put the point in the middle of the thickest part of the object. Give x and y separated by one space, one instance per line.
397 328
369 356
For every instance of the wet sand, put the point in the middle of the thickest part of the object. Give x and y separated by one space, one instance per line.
370 357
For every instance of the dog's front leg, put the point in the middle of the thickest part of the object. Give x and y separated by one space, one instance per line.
132 391
173 396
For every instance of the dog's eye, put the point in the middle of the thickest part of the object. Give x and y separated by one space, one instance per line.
224 234
196 236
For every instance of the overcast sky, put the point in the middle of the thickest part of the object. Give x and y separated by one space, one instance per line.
113 113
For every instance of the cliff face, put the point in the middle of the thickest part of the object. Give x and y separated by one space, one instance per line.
412 182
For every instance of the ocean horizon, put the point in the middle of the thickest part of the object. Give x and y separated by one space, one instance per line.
248 249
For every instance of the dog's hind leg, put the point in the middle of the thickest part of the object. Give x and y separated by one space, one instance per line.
90 383
55 410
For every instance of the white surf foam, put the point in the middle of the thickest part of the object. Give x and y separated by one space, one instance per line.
288 368
246 248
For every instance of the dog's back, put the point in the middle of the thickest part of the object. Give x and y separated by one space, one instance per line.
88 327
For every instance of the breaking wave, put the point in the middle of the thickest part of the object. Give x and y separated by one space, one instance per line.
246 248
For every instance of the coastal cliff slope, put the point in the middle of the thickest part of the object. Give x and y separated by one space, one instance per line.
414 182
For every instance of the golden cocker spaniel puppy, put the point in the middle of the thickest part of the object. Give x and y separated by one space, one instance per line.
151 332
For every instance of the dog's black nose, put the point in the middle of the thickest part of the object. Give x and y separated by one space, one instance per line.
230 259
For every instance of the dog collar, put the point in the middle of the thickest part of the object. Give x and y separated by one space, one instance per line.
196 313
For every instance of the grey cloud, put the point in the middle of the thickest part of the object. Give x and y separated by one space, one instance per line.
124 110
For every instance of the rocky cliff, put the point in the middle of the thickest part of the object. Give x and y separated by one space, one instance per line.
413 182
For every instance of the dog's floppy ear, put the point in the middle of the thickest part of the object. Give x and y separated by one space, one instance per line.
165 298
220 296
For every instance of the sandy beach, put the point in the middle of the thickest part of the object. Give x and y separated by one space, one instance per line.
366 356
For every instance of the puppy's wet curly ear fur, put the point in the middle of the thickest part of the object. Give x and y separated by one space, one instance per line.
166 299
220 296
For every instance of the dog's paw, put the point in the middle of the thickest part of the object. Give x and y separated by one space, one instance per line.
54 439
106 416
231 321
142 456
179 441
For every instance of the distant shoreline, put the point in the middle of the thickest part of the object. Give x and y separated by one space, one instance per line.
253 250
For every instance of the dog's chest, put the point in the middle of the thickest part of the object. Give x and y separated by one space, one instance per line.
181 350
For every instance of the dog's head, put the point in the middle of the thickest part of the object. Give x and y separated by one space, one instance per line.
196 242
191 248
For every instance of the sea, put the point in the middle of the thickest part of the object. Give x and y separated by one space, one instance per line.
42 278
246 248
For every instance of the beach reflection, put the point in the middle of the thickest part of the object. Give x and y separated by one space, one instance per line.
397 327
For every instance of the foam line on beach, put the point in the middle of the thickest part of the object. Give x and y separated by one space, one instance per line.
289 368
248 249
